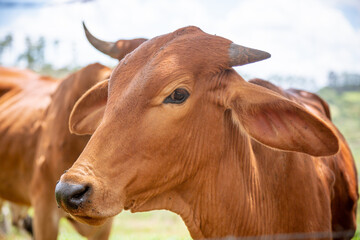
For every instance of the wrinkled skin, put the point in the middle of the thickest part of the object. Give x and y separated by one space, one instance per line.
343 204
234 158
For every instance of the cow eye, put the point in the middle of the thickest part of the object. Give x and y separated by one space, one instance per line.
178 96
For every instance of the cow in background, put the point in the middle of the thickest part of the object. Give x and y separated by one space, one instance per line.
30 104
36 146
343 166
24 97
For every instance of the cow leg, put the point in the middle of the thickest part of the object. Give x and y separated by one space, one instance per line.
46 219
46 213
93 232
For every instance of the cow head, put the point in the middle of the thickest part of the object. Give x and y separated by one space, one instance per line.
117 49
163 116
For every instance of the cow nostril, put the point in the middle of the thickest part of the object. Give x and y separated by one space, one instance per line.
71 195
80 193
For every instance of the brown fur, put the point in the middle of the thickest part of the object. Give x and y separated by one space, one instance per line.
309 100
36 146
40 147
123 47
234 159
345 194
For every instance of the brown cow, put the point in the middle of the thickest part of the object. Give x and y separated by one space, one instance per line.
177 128
346 185
26 108
39 147
25 97
58 149
19 131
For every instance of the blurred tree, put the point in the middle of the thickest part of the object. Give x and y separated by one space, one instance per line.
56 43
293 81
332 79
5 43
344 82
34 54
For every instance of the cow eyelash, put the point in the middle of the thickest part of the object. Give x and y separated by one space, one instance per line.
178 96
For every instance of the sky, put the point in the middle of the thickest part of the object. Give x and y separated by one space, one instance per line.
306 38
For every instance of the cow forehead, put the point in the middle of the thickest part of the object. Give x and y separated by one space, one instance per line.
161 60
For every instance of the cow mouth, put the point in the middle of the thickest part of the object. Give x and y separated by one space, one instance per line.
95 216
90 220
129 205
135 205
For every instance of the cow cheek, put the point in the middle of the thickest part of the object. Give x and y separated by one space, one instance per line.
171 151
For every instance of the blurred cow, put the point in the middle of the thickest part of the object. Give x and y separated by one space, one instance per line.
36 146
31 157
344 205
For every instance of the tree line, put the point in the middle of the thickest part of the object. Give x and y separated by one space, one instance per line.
33 56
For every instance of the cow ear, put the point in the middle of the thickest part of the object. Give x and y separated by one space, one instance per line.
277 122
89 110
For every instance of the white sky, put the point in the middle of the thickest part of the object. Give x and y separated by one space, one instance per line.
305 37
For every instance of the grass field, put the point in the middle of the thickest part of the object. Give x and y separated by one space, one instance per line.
129 226
345 108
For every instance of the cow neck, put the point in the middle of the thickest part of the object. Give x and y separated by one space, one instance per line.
226 200
222 197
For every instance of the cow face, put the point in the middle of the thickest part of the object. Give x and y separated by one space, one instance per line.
161 119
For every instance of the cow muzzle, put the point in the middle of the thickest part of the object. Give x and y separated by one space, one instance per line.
71 197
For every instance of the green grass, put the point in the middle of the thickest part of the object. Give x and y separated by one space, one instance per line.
149 225
129 226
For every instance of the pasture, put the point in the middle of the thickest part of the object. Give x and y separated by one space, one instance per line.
345 109
148 225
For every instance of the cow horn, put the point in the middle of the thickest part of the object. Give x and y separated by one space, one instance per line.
109 48
239 55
